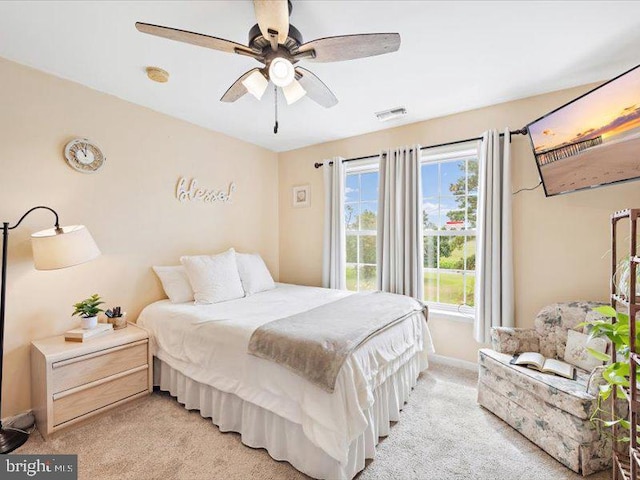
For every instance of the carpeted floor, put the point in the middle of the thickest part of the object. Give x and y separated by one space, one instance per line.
443 434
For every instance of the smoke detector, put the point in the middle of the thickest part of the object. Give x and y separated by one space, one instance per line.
390 114
157 74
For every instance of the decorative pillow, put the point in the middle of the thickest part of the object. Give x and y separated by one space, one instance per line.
576 351
214 278
254 274
175 283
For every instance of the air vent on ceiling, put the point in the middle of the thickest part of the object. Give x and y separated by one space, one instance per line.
391 114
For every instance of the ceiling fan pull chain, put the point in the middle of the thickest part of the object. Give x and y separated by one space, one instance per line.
275 99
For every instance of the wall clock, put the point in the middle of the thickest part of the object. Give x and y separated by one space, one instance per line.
83 155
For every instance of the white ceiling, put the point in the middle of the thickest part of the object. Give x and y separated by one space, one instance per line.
455 56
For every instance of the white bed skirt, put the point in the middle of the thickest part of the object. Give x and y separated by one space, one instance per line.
283 439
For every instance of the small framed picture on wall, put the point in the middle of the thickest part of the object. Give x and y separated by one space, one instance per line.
301 196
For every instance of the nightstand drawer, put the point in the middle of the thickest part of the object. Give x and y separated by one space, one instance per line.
84 369
82 400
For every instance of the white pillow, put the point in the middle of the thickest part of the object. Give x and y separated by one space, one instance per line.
576 351
175 283
214 278
254 274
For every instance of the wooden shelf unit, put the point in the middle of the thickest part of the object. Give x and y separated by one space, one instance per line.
627 466
621 467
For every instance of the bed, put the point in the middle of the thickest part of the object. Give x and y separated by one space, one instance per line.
201 358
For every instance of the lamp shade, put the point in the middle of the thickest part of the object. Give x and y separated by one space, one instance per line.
256 84
281 72
72 246
293 92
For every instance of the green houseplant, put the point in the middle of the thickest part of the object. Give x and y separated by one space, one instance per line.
616 374
88 310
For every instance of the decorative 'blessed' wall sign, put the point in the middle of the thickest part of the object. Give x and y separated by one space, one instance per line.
192 191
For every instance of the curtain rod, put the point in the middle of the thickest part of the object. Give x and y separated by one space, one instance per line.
522 131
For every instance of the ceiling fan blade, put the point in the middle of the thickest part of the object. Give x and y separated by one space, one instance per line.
237 90
195 39
273 15
316 89
349 47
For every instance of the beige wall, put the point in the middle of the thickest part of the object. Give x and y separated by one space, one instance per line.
560 243
128 206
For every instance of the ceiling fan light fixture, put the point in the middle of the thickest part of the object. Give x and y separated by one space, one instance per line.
293 92
256 84
278 46
281 72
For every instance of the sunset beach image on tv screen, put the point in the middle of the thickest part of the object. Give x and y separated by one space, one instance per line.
592 141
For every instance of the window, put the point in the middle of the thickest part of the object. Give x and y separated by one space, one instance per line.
450 202
360 212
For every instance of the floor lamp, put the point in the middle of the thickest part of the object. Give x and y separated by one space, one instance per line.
58 247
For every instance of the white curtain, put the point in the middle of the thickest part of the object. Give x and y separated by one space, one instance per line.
334 261
399 242
494 301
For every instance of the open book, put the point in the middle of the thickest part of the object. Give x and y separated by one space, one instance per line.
545 365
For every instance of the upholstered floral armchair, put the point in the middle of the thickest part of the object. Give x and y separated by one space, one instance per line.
551 411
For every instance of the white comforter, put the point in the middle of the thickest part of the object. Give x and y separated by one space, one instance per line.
209 344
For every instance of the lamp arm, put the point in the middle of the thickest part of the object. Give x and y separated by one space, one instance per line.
57 225
3 295
10 439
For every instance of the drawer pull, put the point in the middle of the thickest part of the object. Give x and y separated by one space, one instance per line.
82 358
71 391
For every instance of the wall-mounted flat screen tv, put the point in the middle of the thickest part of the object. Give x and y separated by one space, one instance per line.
593 140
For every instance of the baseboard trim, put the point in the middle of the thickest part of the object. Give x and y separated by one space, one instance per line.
20 418
453 362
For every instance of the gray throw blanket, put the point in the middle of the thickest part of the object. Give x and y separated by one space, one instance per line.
315 343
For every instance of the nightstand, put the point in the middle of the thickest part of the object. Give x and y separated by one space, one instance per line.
73 381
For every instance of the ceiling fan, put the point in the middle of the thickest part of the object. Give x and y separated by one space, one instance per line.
278 45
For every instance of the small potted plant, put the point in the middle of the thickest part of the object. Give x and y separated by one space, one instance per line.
88 310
